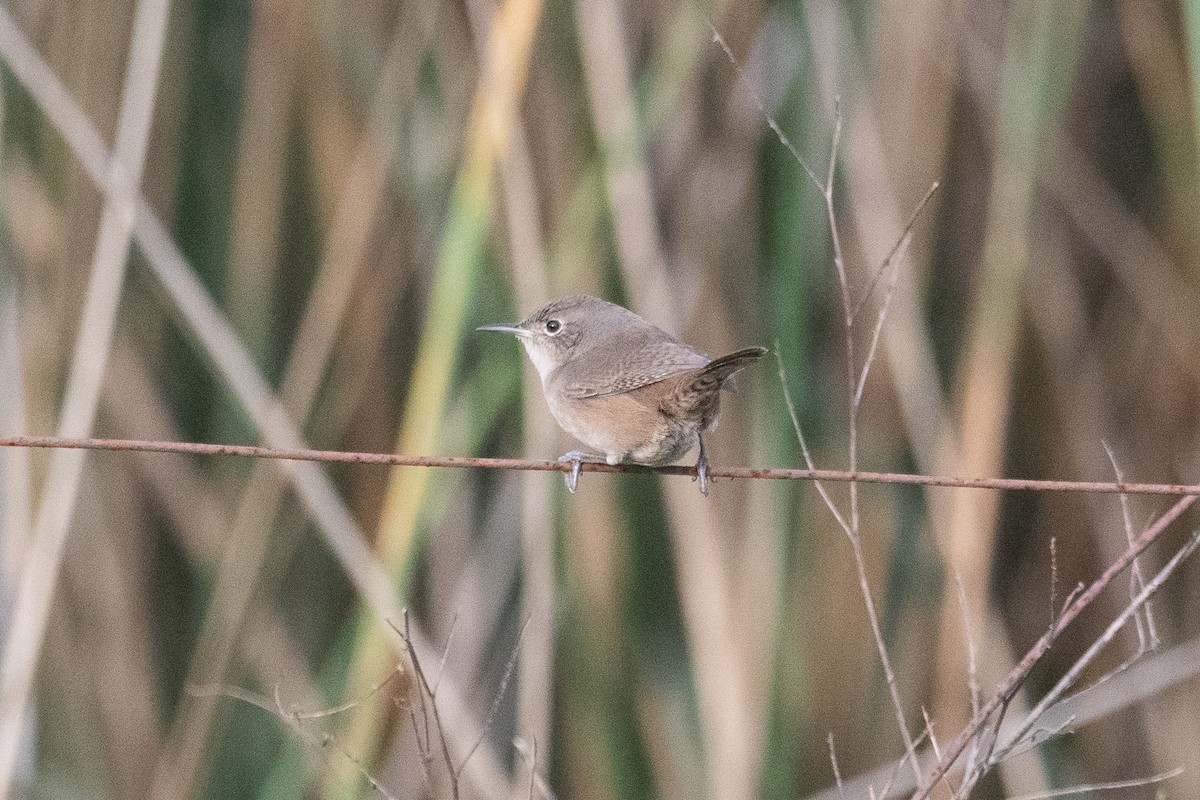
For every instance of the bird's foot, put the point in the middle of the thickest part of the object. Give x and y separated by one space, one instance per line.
576 459
702 474
702 469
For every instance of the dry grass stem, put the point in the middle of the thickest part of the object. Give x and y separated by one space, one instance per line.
220 344
93 343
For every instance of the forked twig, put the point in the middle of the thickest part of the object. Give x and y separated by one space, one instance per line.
1147 631
1020 672
294 720
405 637
856 377
1072 675
454 771
856 380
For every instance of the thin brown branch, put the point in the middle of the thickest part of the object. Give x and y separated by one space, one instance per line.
500 692
423 685
887 261
1021 671
534 465
1102 641
972 667
1147 632
274 706
762 109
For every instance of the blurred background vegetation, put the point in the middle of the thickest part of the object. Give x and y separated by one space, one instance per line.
358 185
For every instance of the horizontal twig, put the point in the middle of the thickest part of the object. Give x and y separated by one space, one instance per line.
461 462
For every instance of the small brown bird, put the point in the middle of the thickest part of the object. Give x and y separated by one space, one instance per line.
623 386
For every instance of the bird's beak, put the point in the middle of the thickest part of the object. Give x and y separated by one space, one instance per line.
516 330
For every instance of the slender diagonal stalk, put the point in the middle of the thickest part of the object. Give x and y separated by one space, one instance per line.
39 577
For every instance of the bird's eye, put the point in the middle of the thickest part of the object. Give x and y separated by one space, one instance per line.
553 326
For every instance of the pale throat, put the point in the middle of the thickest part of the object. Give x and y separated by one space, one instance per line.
542 360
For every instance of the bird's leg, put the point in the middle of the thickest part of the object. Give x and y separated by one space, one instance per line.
702 467
577 457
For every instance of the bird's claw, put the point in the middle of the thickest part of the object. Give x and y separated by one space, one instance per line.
702 468
702 475
572 478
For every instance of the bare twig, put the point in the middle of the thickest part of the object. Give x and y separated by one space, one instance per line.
876 333
762 109
851 530
455 770
1021 671
1110 632
972 666
937 753
500 692
900 242
28 618
1053 580
532 770
933 742
855 380
451 771
274 706
804 451
329 712
894 773
1147 633
219 344
446 651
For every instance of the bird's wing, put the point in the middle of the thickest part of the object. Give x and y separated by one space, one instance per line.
626 365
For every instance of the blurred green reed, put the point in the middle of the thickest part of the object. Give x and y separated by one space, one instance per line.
1033 320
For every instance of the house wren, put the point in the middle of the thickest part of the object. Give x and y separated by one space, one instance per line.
622 386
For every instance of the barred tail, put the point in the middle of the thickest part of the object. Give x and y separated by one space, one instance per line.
700 394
